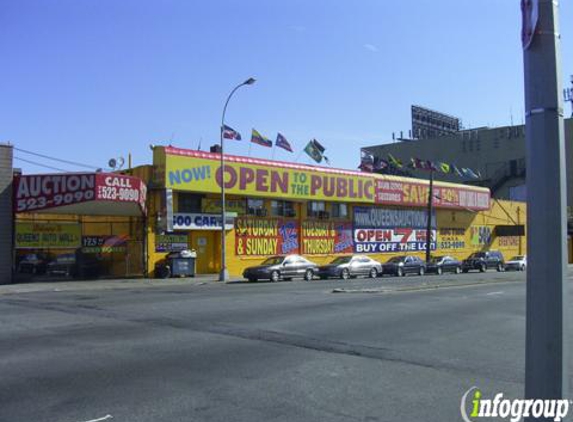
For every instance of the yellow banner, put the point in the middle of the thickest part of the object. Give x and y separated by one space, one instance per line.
48 235
213 205
204 175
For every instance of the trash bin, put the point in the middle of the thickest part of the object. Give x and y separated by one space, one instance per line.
182 263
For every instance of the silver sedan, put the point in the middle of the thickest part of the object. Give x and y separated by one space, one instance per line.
346 267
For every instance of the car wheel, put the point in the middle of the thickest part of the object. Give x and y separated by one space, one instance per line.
275 276
421 271
499 268
458 270
308 275
482 268
345 274
373 273
522 268
165 272
400 272
439 271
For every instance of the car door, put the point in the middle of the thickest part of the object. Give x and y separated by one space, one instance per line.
300 266
289 267
448 264
409 264
362 265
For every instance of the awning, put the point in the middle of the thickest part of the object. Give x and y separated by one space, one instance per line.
107 194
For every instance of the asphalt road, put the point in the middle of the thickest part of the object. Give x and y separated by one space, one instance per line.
291 351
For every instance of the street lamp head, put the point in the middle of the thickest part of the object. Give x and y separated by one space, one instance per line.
250 81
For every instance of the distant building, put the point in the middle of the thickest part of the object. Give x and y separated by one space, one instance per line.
498 154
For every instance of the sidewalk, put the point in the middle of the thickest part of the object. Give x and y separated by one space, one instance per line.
107 284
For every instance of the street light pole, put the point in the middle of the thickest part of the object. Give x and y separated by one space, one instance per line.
224 274
429 222
546 354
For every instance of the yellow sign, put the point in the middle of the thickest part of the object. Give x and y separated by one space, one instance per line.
48 235
193 173
213 205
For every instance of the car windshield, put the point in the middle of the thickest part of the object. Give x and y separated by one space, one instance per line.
477 255
274 260
65 258
397 259
341 260
517 258
438 259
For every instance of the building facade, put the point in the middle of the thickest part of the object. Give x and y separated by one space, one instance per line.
278 208
497 153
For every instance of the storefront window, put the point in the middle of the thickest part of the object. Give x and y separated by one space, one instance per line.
339 210
189 202
316 209
256 207
282 209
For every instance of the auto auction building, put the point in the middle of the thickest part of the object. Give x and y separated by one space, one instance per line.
276 208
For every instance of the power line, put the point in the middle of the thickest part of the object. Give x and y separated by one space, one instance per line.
39 164
73 163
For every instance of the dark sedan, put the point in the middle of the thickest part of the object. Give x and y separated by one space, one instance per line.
350 266
282 268
406 264
444 264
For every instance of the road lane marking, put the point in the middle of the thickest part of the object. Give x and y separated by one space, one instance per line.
494 293
105 418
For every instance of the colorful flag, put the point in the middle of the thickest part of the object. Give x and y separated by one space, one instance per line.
257 138
469 173
282 142
395 162
444 167
431 166
314 150
380 164
230 133
455 170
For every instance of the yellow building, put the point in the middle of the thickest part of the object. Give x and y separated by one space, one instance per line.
279 208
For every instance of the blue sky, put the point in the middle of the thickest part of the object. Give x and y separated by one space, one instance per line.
87 80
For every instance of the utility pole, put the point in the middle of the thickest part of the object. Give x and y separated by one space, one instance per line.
546 355
429 222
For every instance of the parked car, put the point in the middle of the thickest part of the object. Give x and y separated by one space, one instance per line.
76 265
402 265
64 265
286 267
33 264
483 261
350 266
517 263
444 264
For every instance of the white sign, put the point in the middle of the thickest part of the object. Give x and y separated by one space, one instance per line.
193 221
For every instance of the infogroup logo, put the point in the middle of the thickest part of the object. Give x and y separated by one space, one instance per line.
514 410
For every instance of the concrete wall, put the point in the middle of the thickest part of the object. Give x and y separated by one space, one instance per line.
6 226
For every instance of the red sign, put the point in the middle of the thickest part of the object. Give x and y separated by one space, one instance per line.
48 191
416 194
326 237
266 236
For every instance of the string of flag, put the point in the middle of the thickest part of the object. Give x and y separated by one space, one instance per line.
314 149
369 163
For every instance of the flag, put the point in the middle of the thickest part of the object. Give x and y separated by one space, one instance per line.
282 142
469 173
444 167
366 161
257 138
380 164
455 170
431 165
395 162
314 150
419 164
230 133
